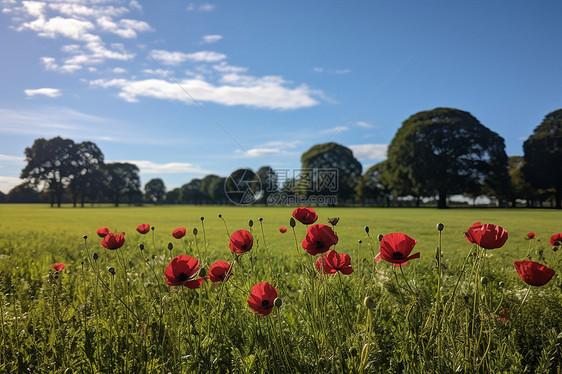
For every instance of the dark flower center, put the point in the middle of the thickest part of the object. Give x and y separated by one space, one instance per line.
265 303
182 277
244 246
397 255
319 244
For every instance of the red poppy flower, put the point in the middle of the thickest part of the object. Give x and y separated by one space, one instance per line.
58 266
143 228
218 271
181 271
396 248
378 259
333 221
282 229
533 273
556 239
102 232
305 216
334 262
486 236
531 235
113 241
261 298
503 314
319 238
179 233
241 241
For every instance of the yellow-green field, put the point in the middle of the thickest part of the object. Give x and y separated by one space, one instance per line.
424 317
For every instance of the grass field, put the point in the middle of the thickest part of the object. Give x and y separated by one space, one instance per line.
425 318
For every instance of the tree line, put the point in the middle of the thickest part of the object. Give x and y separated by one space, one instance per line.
434 154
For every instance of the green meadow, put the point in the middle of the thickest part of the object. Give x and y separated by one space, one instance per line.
469 313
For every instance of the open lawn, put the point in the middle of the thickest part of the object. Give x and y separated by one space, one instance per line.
467 313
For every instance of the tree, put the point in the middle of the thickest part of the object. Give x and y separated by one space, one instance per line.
329 169
190 193
520 188
543 155
173 196
448 151
50 166
207 188
24 193
269 182
374 185
155 190
123 179
88 166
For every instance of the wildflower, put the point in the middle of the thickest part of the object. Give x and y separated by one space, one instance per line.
396 248
262 298
334 262
113 241
143 228
218 271
241 241
102 232
556 239
305 216
58 266
486 236
181 271
503 314
282 229
319 238
533 273
531 235
333 221
179 233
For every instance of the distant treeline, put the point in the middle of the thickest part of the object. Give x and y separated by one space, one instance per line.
434 154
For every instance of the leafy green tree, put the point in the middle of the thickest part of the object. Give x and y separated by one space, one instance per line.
51 165
269 182
216 191
206 188
521 189
173 196
329 169
374 185
190 193
543 155
122 180
2 197
447 151
25 193
88 167
155 190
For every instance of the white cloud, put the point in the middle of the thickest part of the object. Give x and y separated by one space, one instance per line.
157 72
334 130
50 64
119 70
134 4
208 39
78 10
125 28
7 183
149 167
223 67
366 125
331 71
202 8
49 92
8 158
68 27
369 151
256 92
318 70
176 58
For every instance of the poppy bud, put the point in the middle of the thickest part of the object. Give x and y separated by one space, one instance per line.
366 229
250 223
95 256
278 302
152 228
501 284
353 351
220 215
484 281
380 237
292 222
202 273
360 241
195 231
111 270
69 371
260 219
555 248
170 246
369 302
85 237
141 246
440 226
202 218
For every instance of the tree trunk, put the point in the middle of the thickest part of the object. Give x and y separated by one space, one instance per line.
442 202
52 199
559 198
418 198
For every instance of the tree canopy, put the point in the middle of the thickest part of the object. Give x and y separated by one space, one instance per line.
448 151
543 155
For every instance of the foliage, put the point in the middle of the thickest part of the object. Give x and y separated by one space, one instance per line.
155 190
448 151
543 155
374 185
123 180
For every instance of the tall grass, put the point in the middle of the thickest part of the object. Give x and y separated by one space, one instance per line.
458 308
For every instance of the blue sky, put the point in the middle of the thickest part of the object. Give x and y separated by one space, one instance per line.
269 79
